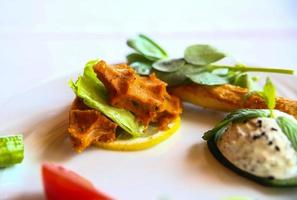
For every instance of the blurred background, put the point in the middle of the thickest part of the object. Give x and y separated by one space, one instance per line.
42 40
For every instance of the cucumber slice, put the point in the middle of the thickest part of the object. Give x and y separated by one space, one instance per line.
291 182
11 150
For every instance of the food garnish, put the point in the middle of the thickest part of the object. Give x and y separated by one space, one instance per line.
61 184
198 65
147 47
141 143
268 94
113 104
259 144
11 150
198 78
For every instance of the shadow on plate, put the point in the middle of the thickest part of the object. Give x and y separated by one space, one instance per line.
29 196
48 140
199 158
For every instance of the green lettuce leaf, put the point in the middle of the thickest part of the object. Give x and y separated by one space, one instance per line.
92 91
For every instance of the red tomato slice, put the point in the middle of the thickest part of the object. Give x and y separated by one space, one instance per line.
60 183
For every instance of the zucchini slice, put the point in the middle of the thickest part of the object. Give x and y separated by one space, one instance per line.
11 150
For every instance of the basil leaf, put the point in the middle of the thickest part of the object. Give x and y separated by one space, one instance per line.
236 116
171 65
207 78
141 68
269 92
136 57
173 78
147 47
201 54
289 128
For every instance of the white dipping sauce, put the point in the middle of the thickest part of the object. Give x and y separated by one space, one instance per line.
259 146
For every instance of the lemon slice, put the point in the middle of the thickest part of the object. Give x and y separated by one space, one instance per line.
141 142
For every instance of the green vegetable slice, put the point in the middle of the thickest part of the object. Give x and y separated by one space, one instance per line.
147 47
11 150
202 54
289 128
92 91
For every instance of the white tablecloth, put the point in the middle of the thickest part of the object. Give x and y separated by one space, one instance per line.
41 40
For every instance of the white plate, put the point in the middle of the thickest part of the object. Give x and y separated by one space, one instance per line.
179 168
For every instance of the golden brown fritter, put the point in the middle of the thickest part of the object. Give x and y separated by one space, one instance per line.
145 97
228 98
87 125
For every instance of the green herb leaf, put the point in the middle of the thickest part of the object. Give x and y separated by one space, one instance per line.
136 57
196 67
289 128
147 47
171 65
142 68
207 78
173 78
189 69
236 116
92 91
140 63
269 93
11 150
246 81
201 54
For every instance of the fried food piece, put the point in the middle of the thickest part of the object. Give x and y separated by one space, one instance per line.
87 125
228 98
172 108
145 97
